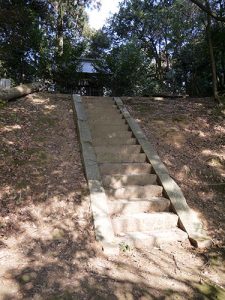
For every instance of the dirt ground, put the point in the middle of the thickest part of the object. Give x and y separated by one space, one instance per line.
47 245
189 136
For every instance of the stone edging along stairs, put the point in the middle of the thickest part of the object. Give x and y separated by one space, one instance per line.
133 198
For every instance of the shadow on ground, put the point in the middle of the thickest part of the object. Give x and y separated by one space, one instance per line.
190 139
48 249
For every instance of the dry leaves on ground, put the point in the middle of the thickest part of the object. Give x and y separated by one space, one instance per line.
47 246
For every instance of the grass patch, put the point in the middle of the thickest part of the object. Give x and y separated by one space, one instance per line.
219 188
210 292
2 104
180 118
40 139
172 295
19 162
37 156
22 184
218 111
215 162
41 157
124 247
5 151
144 108
46 120
14 117
32 151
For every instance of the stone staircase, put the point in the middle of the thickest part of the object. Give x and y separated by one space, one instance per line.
140 213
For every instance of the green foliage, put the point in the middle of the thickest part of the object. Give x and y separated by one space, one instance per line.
210 291
29 31
20 38
2 104
127 63
66 75
99 42
124 247
160 46
147 47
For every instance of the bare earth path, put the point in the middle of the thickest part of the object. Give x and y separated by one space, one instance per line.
47 245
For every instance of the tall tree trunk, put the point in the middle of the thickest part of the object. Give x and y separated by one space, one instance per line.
59 42
223 69
212 57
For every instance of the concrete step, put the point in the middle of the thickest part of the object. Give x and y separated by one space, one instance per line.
111 113
99 103
135 191
112 116
118 181
93 112
108 157
100 100
96 98
124 206
150 239
101 113
96 118
114 141
116 113
108 127
144 222
105 133
124 168
102 110
118 149
110 121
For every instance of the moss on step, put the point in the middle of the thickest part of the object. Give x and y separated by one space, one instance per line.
210 292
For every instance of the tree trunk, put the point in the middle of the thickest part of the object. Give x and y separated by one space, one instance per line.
19 91
212 58
59 41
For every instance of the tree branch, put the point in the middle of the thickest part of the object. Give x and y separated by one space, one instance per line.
208 10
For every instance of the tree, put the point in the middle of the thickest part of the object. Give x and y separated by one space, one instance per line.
21 37
212 57
210 14
129 70
33 46
159 30
172 36
207 9
99 42
72 13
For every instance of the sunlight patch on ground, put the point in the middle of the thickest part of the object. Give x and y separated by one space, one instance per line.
219 129
218 153
11 128
175 138
50 107
7 141
202 134
49 247
38 100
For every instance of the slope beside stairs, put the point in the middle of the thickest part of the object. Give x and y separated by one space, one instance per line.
133 199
